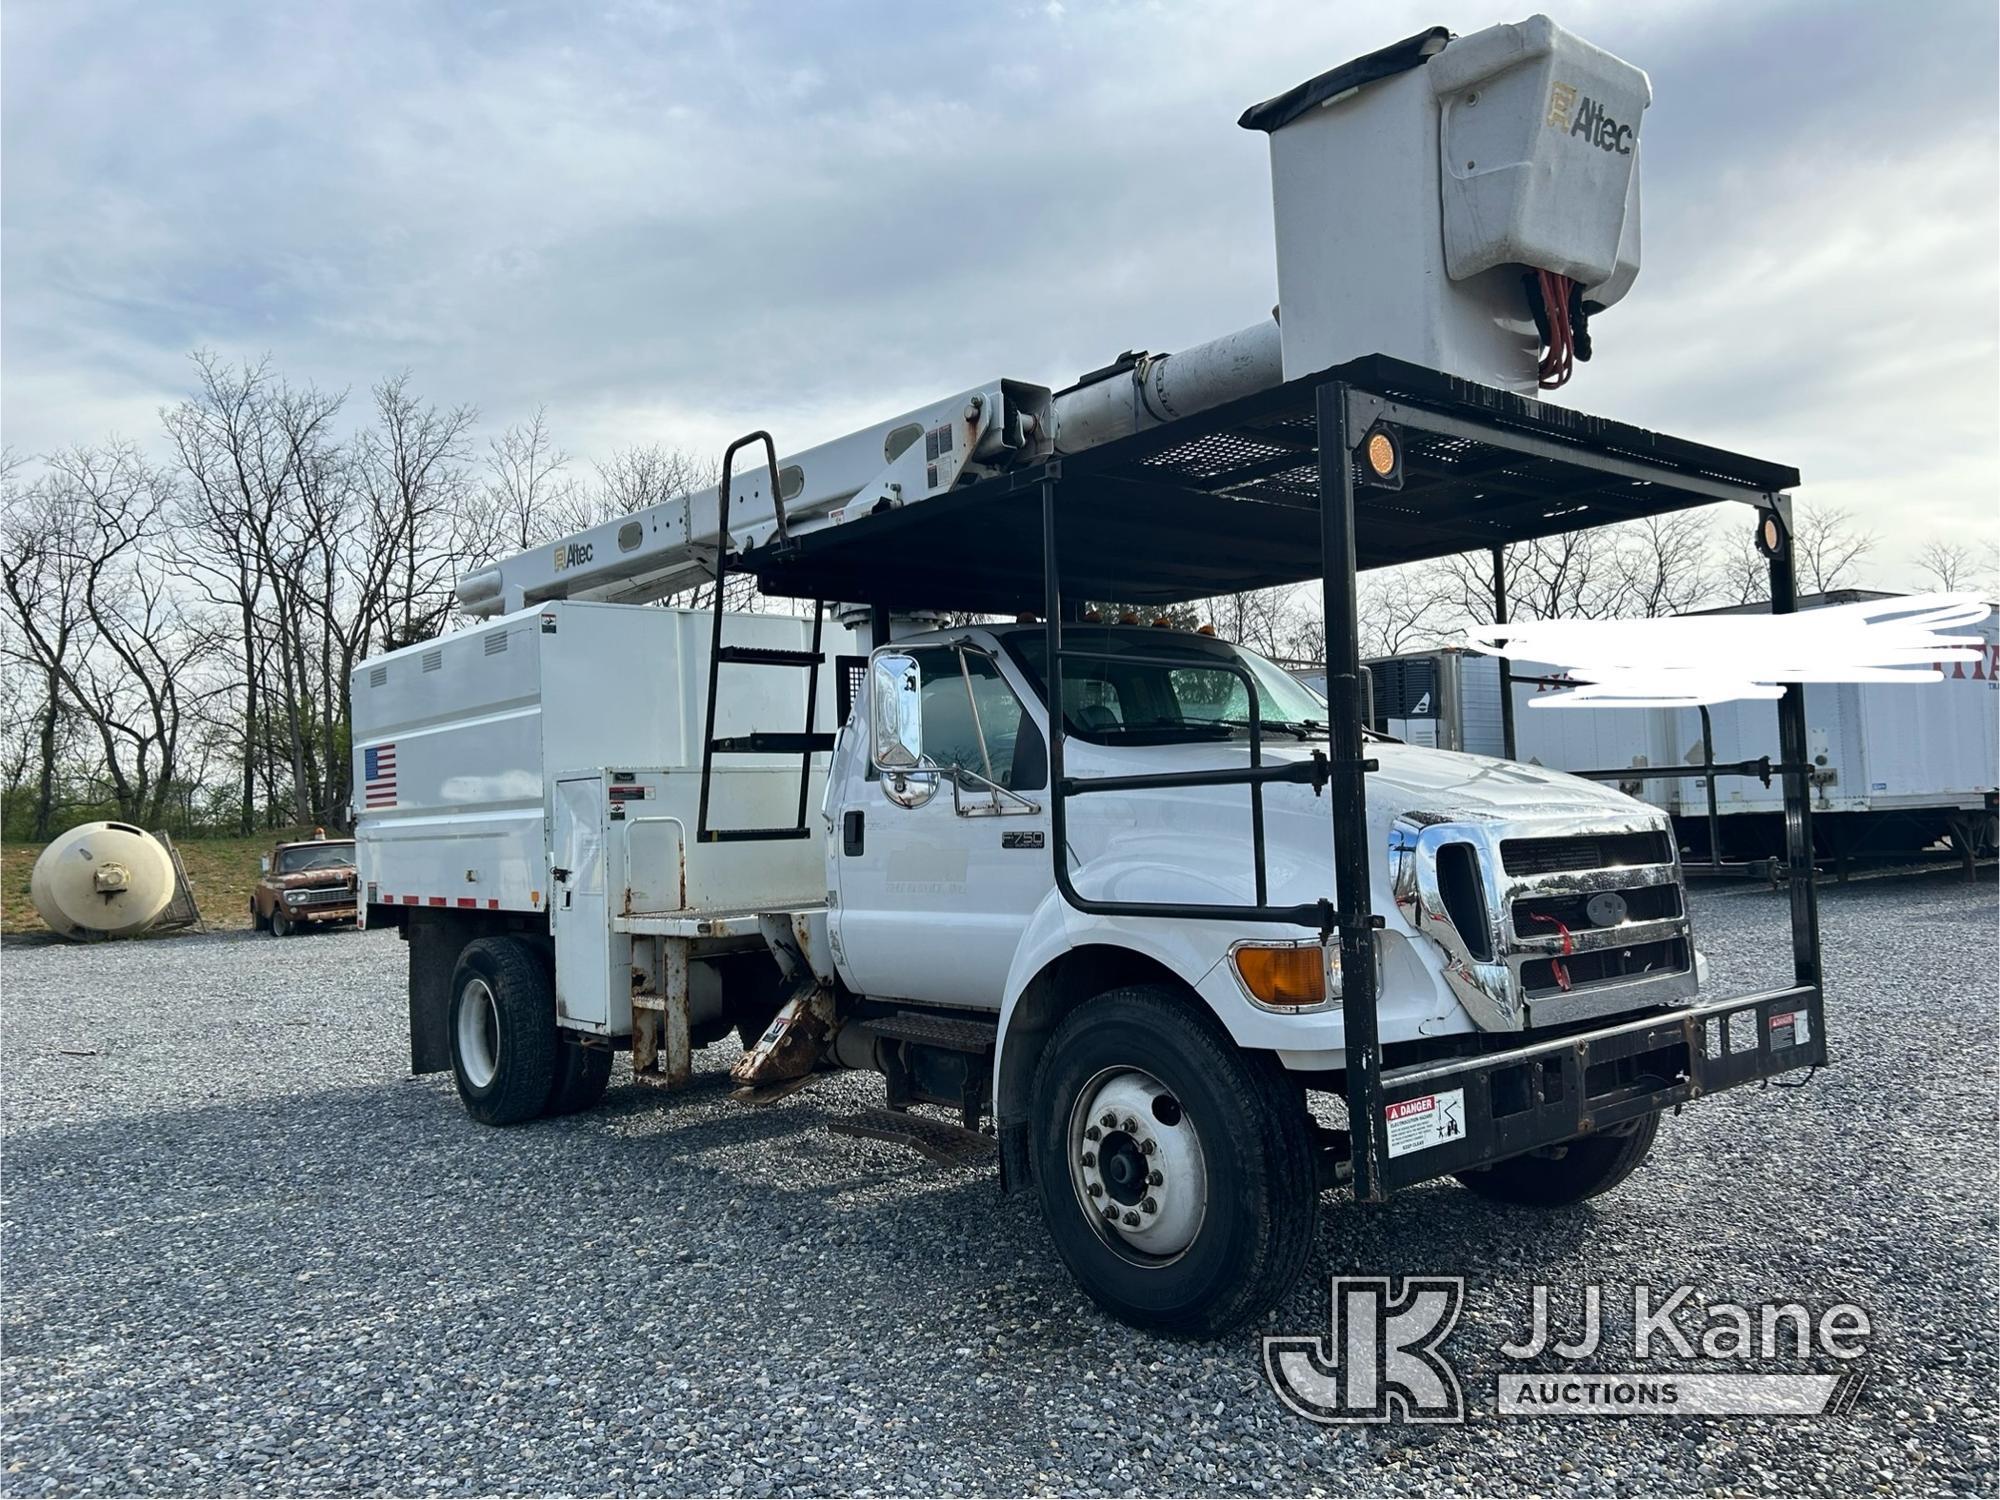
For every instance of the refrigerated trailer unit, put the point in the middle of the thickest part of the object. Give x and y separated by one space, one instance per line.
1121 898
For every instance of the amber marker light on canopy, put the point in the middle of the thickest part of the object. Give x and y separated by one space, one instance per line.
1283 974
1382 457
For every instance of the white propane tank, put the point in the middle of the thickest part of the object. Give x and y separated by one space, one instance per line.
102 880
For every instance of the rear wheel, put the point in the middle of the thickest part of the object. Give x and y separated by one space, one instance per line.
582 1075
1175 1171
503 1031
1571 1172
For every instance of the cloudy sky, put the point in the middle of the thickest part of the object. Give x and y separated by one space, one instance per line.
676 222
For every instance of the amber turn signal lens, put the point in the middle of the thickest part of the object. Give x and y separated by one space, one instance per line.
1283 976
1382 454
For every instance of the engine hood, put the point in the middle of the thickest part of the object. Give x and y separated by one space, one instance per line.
1203 833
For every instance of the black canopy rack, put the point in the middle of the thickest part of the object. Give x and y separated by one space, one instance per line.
1272 489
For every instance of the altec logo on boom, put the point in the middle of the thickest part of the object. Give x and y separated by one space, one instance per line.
1586 117
572 555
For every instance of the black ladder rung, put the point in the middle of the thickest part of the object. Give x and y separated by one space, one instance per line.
772 742
770 656
751 835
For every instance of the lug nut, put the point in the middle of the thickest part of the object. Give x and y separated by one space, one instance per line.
1111 1213
1131 1221
1090 1158
1093 1134
1147 1147
1096 1190
1109 1122
1150 1206
1154 1178
1131 1126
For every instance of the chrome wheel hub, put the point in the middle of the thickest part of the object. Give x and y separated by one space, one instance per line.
1136 1164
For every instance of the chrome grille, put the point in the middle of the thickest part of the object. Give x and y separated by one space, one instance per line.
1521 941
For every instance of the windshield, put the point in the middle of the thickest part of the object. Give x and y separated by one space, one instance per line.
1156 686
315 857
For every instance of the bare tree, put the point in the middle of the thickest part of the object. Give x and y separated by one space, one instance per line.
44 573
1946 566
645 474
1828 548
129 662
529 496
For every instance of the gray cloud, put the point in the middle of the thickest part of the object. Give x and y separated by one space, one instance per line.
676 222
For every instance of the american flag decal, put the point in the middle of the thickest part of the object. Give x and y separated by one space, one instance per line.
378 776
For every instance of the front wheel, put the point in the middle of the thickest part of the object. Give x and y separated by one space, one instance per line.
503 1031
1175 1171
281 925
1568 1173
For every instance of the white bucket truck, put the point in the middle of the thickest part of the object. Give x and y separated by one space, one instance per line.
606 826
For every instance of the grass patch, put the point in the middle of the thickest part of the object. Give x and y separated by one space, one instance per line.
222 871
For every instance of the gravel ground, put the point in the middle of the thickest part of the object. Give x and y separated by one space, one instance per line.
243 1252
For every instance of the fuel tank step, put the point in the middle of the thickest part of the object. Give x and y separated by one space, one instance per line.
950 1033
947 1145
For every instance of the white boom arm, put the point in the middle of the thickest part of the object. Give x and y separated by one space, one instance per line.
671 546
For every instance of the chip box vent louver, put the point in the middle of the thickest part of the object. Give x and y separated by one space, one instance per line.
433 660
377 676
496 643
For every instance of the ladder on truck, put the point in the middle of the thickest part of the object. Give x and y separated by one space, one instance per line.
758 742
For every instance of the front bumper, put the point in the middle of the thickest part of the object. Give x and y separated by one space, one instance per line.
322 904
1507 1103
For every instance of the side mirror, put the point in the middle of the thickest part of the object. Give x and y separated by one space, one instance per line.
264 865
896 713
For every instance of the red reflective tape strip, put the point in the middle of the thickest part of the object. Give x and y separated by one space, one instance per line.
409 901
492 903
468 901
437 901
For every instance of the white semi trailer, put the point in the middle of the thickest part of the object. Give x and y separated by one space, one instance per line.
1118 898
1897 768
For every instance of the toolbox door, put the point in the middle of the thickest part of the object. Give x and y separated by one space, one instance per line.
578 911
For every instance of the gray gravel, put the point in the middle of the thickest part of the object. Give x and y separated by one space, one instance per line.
243 1252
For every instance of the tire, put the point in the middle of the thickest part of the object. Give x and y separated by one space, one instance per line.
1568 1173
582 1075
281 925
1230 1124
503 1031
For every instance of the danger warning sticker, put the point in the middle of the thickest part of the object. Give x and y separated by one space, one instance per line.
1791 1028
1425 1121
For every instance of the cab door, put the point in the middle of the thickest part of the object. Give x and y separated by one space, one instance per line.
936 889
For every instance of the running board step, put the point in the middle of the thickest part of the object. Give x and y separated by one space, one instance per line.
770 656
947 1145
772 742
949 1033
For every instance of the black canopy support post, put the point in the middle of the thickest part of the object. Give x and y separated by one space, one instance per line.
1347 793
1708 781
878 627
1506 663
1052 624
1798 804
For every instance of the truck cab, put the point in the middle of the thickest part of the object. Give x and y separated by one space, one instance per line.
1513 896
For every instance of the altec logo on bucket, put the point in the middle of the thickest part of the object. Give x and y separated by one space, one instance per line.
1586 117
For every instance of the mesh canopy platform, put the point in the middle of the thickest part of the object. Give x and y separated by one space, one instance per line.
1228 500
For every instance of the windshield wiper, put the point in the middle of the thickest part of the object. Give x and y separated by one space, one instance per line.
1303 729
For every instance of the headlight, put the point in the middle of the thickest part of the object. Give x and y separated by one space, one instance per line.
293 898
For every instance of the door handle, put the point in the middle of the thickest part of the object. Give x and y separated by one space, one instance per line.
851 831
